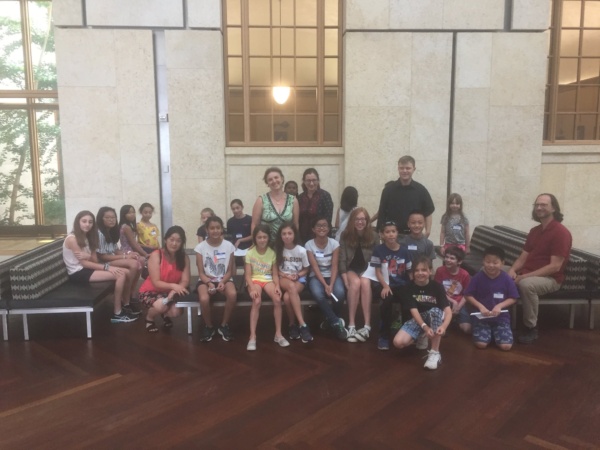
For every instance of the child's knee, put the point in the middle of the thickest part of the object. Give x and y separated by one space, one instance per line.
505 347
465 328
481 345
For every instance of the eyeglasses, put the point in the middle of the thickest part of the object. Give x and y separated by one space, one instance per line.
311 181
540 205
360 220
322 225
110 218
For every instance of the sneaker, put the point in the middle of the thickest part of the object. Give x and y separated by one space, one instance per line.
383 343
340 331
363 334
225 333
352 335
251 347
422 342
305 334
325 325
207 334
294 332
281 341
433 360
123 317
131 310
529 336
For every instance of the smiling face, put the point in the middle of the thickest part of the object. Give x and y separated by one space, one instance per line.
214 230
86 223
450 262
416 223
274 181
173 243
455 206
311 181
147 213
421 274
360 222
405 172
261 240
321 228
237 210
291 188
204 216
390 235
492 265
543 208
287 236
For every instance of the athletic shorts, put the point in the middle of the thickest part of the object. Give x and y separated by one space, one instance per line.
485 329
82 276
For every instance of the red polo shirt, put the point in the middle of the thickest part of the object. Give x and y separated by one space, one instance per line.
542 244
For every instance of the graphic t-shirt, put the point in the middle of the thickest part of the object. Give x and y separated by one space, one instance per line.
215 260
453 284
294 260
324 256
424 298
396 260
262 265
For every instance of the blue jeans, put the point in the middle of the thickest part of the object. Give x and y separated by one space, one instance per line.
317 290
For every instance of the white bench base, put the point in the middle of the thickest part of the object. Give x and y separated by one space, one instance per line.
26 312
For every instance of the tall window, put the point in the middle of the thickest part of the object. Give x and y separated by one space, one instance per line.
283 72
31 187
573 90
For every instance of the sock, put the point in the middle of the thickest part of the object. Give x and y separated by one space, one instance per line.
351 327
368 327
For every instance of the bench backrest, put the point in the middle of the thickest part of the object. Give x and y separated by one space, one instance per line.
37 275
5 266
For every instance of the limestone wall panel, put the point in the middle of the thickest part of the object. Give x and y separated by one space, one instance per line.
134 13
204 13
531 14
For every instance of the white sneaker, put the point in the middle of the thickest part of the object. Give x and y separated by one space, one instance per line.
422 342
363 334
251 347
433 360
281 341
352 335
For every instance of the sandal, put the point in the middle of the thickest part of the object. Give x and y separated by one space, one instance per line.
151 326
168 322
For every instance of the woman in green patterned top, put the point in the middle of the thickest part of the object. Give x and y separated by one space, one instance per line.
274 207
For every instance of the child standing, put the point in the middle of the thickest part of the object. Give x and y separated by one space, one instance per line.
455 225
127 229
147 232
261 273
214 258
416 242
490 291
455 280
396 257
348 202
204 215
293 265
239 226
430 312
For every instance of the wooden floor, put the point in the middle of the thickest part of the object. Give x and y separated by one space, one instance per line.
128 389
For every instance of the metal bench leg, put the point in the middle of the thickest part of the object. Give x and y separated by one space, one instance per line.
25 327
571 316
189 317
88 321
5 327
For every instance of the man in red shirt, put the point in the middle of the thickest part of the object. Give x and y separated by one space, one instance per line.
540 268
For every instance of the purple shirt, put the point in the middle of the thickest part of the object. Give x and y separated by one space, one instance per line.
491 291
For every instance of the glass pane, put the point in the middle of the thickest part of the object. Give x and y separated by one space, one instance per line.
591 43
236 128
306 42
259 12
51 179
49 100
260 71
331 72
234 15
236 100
12 75
306 72
590 71
331 42
588 99
16 190
287 13
565 127
42 45
260 41
571 14
306 128
566 98
306 13
330 129
288 106
331 101
235 71
306 101
284 41
283 128
569 43
592 15
234 41
260 129
260 100
283 76
586 127
567 71
331 12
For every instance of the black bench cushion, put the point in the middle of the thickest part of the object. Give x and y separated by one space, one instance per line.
33 278
69 295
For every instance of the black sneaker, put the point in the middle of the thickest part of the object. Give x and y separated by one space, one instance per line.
340 331
131 310
305 334
207 334
225 333
529 336
123 317
294 332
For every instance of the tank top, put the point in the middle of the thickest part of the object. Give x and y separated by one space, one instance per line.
169 273
71 261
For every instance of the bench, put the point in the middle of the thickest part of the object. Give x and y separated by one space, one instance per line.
575 290
191 301
36 282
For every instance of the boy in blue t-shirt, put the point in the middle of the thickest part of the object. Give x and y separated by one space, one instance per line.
416 242
396 258
491 291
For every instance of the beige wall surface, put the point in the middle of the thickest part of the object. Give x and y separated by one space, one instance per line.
451 82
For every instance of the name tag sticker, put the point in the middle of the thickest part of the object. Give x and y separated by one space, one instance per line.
319 254
457 227
238 236
412 247
498 295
